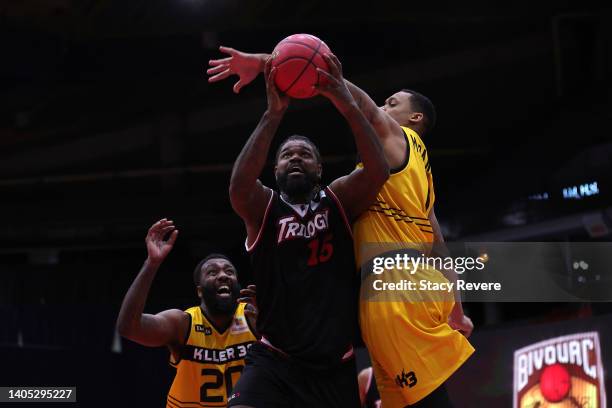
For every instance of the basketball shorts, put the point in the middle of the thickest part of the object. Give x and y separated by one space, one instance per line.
412 347
273 380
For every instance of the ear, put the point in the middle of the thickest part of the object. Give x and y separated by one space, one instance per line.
416 117
199 290
319 170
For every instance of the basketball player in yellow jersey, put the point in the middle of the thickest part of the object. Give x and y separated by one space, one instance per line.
207 342
414 346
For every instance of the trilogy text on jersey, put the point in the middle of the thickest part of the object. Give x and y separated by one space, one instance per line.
291 228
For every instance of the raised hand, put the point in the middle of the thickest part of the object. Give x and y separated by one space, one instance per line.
277 102
157 247
246 66
332 84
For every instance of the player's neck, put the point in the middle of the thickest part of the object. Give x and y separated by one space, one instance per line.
301 198
221 321
419 130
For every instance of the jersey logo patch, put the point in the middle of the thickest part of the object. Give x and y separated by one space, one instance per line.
406 379
239 325
203 329
290 228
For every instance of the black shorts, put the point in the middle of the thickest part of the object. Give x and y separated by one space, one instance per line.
271 380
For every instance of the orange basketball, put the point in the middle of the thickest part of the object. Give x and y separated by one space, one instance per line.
296 59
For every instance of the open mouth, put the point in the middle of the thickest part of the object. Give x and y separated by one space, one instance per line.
292 170
224 291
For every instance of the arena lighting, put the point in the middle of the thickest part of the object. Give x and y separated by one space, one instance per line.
575 192
580 191
539 196
581 265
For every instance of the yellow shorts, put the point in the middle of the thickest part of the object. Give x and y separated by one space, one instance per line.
412 347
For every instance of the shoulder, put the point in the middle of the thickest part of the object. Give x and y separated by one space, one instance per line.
181 321
412 136
334 202
175 314
327 192
192 309
269 200
329 195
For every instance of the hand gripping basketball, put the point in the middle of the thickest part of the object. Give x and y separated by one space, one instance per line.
332 85
277 103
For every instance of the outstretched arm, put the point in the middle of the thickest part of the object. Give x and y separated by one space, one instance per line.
247 194
165 328
247 66
358 190
457 319
384 125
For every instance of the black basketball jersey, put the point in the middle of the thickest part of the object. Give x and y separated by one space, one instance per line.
304 269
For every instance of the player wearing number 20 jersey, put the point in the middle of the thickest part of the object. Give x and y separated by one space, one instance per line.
208 342
211 358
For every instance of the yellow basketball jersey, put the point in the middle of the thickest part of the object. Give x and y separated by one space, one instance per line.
210 363
402 206
410 342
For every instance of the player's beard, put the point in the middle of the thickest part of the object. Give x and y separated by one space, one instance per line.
220 305
297 186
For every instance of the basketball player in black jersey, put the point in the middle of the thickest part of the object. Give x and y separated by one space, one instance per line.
301 249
